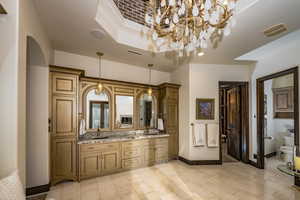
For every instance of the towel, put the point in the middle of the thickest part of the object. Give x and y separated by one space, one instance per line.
82 127
160 124
213 135
199 135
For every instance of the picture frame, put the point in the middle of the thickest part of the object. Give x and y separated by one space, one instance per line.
205 109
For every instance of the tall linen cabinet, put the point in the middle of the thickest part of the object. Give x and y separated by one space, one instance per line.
63 123
169 96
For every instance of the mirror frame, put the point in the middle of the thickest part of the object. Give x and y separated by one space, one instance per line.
138 98
133 111
110 103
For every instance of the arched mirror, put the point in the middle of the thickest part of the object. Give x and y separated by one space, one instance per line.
97 109
147 111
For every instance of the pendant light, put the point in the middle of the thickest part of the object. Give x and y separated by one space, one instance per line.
150 89
99 86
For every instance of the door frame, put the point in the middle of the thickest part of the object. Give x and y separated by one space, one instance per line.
245 144
260 111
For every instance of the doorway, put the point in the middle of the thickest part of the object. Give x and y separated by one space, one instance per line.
277 118
234 121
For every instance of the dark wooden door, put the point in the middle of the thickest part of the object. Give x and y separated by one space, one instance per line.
234 123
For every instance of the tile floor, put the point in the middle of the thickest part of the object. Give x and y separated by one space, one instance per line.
178 181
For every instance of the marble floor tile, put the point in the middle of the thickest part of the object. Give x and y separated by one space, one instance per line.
177 181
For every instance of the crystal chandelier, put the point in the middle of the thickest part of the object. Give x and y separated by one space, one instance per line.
187 25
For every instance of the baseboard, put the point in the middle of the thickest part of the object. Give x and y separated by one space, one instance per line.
38 189
254 164
297 181
200 162
270 155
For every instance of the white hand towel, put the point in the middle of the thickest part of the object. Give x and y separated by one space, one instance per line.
213 135
160 124
82 127
199 135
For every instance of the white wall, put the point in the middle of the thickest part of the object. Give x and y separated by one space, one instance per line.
37 138
204 80
8 87
30 26
110 69
181 76
271 58
201 81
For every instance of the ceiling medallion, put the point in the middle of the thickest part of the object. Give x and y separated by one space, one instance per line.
187 25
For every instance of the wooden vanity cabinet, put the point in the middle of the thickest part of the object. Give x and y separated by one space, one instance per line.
98 159
101 159
96 164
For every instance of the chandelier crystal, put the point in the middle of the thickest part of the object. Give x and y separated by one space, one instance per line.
188 25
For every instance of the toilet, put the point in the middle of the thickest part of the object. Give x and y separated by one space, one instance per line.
287 150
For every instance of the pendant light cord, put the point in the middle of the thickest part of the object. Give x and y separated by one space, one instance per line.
100 68
150 66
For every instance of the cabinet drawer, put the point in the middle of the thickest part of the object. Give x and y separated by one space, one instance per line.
160 142
134 143
90 147
99 147
109 147
161 152
131 152
131 163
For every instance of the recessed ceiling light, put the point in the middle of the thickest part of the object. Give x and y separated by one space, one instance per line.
201 53
98 34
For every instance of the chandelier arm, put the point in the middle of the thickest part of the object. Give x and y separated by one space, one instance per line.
165 12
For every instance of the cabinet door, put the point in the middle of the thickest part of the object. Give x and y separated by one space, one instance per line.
110 162
172 115
173 144
172 128
90 164
64 84
149 155
64 116
63 159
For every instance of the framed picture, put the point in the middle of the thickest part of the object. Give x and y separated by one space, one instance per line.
205 109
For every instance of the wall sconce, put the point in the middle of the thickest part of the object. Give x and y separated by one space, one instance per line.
2 10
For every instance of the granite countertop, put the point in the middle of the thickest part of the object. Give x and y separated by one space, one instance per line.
92 138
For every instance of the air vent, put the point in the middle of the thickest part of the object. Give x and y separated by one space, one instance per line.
134 52
2 10
275 30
